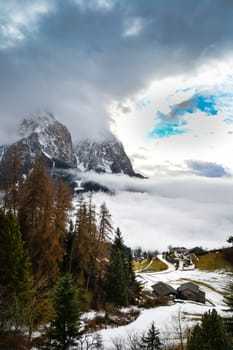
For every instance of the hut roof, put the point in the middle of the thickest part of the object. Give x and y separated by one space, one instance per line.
189 286
162 289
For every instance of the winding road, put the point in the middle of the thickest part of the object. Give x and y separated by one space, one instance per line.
151 276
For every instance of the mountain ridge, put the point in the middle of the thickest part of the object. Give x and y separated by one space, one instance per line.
42 133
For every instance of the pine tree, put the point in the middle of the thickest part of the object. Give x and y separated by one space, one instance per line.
68 246
82 244
133 286
15 267
15 272
62 207
11 174
84 251
65 326
92 262
151 339
105 224
116 277
210 335
101 234
122 287
195 340
229 302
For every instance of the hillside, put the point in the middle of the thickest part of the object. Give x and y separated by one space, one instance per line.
154 265
215 260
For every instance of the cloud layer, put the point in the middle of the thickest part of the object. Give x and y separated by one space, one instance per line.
75 57
184 211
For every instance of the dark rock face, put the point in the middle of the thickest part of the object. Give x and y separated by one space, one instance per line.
42 134
53 138
103 157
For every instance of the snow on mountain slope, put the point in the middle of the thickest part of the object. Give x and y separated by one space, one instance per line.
42 133
2 151
103 157
52 137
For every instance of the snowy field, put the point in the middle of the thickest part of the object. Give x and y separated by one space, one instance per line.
166 317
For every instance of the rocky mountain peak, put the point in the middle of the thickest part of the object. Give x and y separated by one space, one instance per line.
36 122
103 157
42 133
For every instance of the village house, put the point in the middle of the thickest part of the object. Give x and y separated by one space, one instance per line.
179 252
187 291
162 290
190 291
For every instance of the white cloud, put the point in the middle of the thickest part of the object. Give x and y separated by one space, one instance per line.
19 18
185 211
92 4
133 27
11 32
208 138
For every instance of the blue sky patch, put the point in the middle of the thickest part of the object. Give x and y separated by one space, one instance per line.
168 129
174 122
202 103
207 104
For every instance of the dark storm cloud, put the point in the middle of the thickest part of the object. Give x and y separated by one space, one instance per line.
83 54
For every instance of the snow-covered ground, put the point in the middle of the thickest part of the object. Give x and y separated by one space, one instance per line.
170 319
212 283
166 317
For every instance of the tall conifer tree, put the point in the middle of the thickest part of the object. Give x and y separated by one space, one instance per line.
65 326
37 218
105 223
122 287
116 277
11 175
210 335
15 265
62 207
15 272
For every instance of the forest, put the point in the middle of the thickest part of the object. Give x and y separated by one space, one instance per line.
51 250
58 261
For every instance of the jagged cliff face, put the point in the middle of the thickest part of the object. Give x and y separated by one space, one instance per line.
42 133
51 137
105 157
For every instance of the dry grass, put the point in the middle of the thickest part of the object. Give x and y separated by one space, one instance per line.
145 265
156 265
212 261
140 265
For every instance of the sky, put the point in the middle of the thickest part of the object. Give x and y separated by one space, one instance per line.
158 74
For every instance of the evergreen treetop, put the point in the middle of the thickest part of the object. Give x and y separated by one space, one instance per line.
151 339
65 326
210 334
